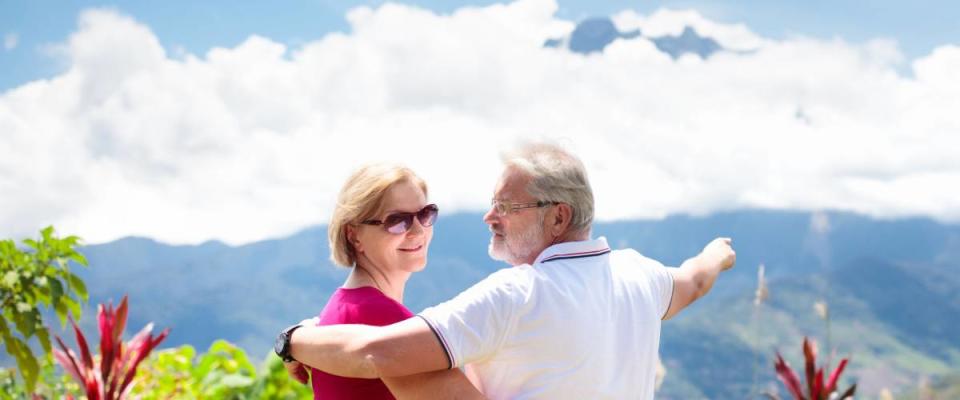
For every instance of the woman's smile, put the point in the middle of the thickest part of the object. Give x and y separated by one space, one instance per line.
412 249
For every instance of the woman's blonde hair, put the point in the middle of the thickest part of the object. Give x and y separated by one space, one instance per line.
361 198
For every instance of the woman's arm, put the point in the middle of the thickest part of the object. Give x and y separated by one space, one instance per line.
446 384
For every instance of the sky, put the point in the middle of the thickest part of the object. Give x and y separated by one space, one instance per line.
239 122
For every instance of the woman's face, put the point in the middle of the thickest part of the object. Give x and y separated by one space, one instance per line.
397 252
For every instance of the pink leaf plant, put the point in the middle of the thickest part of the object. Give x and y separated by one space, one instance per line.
816 388
109 376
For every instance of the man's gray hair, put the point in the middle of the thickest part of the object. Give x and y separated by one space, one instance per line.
556 175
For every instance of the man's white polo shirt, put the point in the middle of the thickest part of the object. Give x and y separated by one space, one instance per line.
583 322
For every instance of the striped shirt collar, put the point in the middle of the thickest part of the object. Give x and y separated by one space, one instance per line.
568 250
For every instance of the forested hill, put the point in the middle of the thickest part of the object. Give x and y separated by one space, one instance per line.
892 287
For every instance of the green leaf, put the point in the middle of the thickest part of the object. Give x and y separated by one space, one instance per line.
59 246
47 233
43 296
73 306
72 240
78 258
76 284
8 338
27 364
26 322
56 290
32 243
44 336
61 309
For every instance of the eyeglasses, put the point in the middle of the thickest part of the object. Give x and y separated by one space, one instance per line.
400 223
504 207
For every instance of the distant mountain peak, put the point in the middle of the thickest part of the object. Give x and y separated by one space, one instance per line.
592 35
689 41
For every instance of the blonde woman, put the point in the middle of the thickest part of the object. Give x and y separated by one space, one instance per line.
381 229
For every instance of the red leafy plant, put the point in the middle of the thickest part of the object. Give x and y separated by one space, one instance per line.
109 376
816 388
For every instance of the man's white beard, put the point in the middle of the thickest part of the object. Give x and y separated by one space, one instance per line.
519 248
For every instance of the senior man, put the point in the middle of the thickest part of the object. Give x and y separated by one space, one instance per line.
572 319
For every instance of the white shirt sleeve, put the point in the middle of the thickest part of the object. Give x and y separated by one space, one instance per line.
663 286
660 280
473 325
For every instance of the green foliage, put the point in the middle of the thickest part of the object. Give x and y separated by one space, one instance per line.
223 372
167 374
50 385
275 383
226 371
37 275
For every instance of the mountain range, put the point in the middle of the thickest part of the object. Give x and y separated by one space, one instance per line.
592 35
891 286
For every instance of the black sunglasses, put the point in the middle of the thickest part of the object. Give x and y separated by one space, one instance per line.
400 223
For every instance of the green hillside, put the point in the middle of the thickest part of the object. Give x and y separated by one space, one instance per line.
892 288
897 323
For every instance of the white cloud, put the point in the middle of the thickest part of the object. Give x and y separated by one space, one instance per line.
253 141
665 22
10 41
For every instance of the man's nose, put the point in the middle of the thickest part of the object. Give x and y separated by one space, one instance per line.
491 216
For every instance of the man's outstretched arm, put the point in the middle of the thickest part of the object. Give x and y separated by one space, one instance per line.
696 276
361 351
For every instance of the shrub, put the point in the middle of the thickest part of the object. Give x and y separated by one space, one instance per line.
816 388
108 377
37 275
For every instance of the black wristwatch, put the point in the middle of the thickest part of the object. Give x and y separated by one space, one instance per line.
282 345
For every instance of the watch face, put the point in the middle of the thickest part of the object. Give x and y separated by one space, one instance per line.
278 345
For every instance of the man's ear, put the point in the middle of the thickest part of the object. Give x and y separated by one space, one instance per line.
559 219
353 239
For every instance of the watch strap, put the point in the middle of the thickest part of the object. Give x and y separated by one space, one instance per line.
284 350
